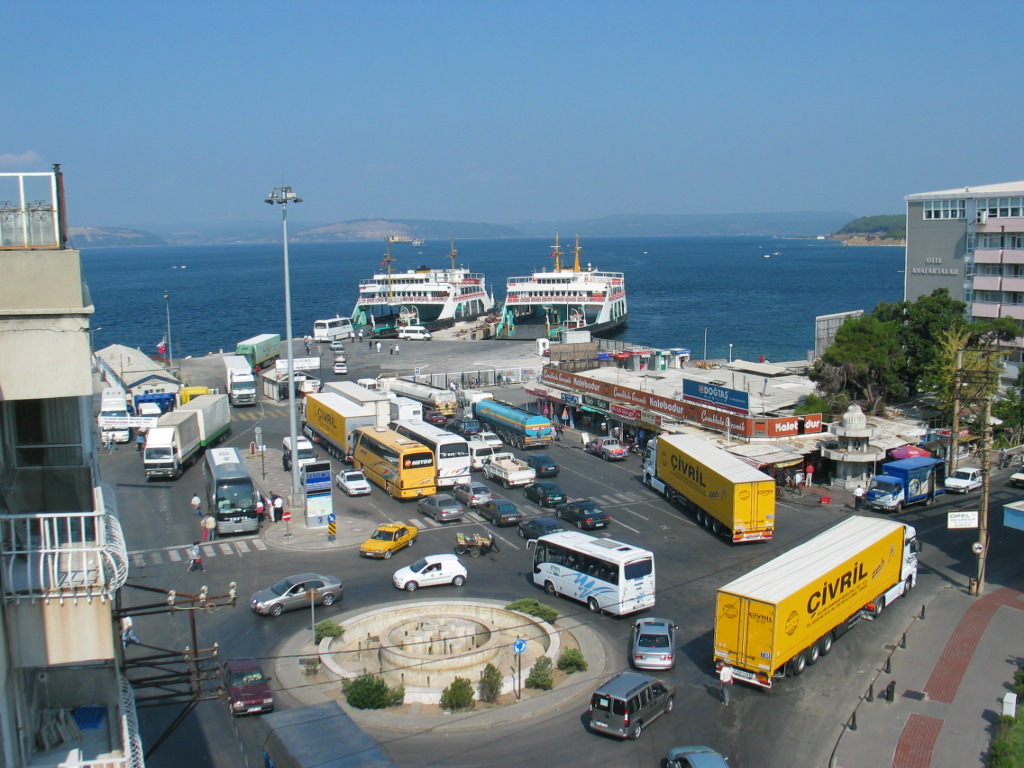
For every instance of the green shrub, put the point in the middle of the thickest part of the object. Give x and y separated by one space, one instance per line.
534 608
571 660
328 628
367 692
541 676
458 696
490 684
396 696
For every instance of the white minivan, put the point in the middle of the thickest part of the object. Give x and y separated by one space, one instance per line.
414 333
304 454
479 452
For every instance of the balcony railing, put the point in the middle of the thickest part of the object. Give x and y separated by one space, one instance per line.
28 211
62 555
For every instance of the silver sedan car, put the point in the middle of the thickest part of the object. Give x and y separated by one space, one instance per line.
653 643
293 592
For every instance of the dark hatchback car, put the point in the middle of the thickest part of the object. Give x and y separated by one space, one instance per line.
247 688
500 511
465 427
539 526
584 514
545 493
544 465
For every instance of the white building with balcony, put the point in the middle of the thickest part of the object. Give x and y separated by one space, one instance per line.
64 701
970 240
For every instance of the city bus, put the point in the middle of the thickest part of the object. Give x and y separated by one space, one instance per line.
231 491
607 575
334 328
451 452
402 467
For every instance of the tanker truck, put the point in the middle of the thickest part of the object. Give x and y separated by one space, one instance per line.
514 425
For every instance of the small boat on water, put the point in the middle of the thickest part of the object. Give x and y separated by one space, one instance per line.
418 243
434 298
544 304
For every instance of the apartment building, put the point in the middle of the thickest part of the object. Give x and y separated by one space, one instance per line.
63 700
970 240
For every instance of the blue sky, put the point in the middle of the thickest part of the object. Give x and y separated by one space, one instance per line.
186 111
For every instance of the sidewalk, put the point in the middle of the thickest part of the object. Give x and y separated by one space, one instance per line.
961 652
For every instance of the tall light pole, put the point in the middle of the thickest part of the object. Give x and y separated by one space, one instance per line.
170 351
730 353
282 196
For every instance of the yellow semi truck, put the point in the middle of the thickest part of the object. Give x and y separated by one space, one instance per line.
727 495
331 419
784 615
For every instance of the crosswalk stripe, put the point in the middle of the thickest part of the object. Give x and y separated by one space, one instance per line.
138 561
242 547
158 558
209 551
259 544
175 555
226 548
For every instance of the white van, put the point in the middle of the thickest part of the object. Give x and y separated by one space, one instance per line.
479 452
304 454
332 329
414 333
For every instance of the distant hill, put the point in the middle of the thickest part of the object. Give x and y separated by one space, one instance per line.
796 224
887 227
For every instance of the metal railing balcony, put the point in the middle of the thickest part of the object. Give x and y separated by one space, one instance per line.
28 211
62 555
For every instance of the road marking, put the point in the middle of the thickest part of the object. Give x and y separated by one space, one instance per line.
208 551
175 555
226 549
634 530
636 513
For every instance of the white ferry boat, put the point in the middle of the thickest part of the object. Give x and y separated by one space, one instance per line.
571 298
435 298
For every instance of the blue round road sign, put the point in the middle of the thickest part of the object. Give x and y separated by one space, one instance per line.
519 646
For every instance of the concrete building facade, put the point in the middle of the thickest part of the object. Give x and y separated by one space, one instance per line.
970 240
63 700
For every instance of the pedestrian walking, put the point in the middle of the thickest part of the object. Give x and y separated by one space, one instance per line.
810 475
195 558
204 533
378 347
260 511
197 505
391 349
369 345
278 508
360 334
210 527
798 482
396 349
140 441
724 681
858 496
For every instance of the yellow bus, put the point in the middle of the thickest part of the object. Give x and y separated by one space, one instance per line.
402 467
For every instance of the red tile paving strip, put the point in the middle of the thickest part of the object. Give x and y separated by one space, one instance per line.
952 665
916 743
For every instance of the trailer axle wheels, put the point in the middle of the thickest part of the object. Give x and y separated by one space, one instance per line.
826 643
813 654
797 664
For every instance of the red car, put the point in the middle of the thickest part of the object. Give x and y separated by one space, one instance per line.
436 418
248 689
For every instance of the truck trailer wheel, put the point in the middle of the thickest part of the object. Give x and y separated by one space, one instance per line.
797 664
826 643
813 654
878 606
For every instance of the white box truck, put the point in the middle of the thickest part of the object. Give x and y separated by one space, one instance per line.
239 383
113 416
214 417
172 445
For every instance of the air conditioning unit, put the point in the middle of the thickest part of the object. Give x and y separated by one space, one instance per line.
982 217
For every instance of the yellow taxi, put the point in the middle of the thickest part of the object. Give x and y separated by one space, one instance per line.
388 539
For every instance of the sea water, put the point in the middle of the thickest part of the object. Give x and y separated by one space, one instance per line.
759 295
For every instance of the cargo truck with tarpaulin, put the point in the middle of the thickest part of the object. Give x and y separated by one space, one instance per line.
214 418
260 350
331 419
171 445
728 496
514 425
784 615
907 481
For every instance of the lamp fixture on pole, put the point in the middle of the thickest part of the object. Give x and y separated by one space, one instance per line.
282 196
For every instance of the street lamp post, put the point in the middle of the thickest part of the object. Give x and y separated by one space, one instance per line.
282 196
730 353
170 350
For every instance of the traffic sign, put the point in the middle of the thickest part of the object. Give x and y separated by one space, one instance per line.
519 646
966 519
331 518
286 515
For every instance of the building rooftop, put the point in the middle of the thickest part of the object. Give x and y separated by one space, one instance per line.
985 190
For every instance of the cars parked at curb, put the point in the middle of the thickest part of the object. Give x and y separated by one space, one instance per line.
388 539
539 526
247 688
583 513
472 494
353 482
429 571
545 494
500 511
291 592
653 643
608 448
442 507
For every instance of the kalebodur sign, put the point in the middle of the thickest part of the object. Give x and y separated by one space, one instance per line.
711 417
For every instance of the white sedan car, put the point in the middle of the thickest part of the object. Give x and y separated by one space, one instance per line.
353 482
429 571
490 438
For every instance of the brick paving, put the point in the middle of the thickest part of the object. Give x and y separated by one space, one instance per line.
917 741
952 665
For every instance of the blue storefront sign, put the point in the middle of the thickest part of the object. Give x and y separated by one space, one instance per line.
720 397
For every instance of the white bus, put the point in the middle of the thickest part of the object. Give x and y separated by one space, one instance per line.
231 491
451 452
607 575
334 328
